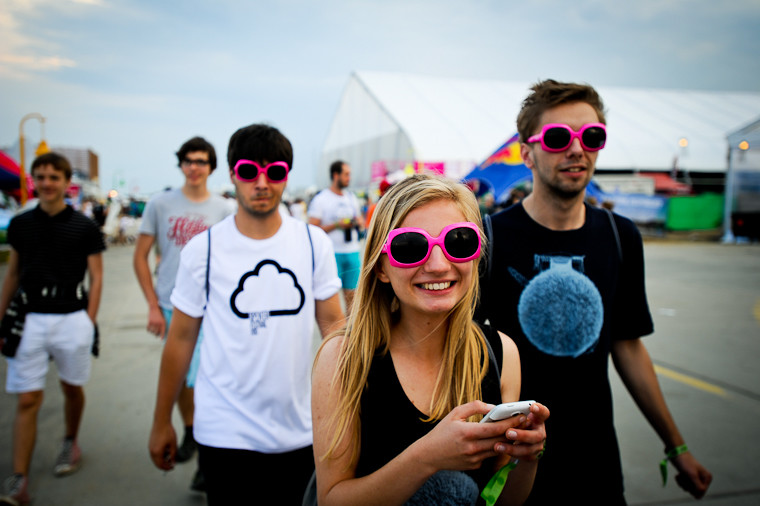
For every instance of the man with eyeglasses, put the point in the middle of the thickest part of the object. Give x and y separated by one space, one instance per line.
170 220
566 282
257 280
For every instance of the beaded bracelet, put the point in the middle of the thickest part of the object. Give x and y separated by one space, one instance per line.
669 455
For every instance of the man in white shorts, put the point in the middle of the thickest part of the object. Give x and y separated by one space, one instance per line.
52 246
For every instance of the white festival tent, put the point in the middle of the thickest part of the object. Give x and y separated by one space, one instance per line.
387 121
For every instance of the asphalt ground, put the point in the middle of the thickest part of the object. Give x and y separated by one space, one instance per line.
705 300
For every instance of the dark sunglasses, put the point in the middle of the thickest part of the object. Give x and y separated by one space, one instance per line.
556 137
248 170
409 247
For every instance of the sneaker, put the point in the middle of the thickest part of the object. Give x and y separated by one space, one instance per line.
187 449
199 482
14 491
68 460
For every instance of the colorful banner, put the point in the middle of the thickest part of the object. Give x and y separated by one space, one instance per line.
378 170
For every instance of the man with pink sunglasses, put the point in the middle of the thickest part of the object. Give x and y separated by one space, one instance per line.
566 283
257 280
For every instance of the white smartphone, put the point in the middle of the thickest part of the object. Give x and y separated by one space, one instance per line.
508 410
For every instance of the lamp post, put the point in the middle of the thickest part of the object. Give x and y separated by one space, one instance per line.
42 148
728 200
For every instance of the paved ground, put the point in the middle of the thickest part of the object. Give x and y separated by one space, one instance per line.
705 300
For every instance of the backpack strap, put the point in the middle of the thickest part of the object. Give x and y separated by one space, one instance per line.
493 363
615 232
208 266
311 244
488 227
492 359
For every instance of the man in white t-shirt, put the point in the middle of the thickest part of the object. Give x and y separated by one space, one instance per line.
336 211
170 219
257 280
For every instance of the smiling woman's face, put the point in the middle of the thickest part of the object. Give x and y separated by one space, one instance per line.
436 286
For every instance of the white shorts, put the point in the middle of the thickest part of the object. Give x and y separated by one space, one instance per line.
66 338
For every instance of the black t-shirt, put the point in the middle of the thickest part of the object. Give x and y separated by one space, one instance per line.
390 422
563 297
52 252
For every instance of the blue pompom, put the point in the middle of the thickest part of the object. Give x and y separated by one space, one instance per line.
446 488
561 312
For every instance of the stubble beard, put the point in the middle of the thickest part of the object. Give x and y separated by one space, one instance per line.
255 213
259 214
568 191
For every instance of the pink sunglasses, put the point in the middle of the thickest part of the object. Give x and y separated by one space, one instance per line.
409 247
556 137
248 170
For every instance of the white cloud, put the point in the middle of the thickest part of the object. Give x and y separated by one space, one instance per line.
34 35
35 62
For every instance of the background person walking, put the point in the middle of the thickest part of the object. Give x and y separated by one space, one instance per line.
52 247
336 211
171 219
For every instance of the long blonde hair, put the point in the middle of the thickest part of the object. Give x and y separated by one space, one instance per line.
373 313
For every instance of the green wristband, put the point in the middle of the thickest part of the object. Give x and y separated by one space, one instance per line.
675 452
495 485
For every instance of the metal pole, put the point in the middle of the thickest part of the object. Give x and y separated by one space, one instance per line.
728 199
22 172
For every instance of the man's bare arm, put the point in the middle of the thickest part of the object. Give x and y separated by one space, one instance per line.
156 322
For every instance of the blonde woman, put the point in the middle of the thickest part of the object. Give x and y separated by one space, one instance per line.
396 394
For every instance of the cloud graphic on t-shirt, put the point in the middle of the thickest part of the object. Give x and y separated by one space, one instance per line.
269 290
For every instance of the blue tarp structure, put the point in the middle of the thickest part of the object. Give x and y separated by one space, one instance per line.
501 171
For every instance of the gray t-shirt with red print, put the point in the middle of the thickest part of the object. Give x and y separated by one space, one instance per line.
173 220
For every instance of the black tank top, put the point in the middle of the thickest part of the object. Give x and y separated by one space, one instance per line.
390 422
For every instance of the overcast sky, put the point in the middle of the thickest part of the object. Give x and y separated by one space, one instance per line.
133 79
